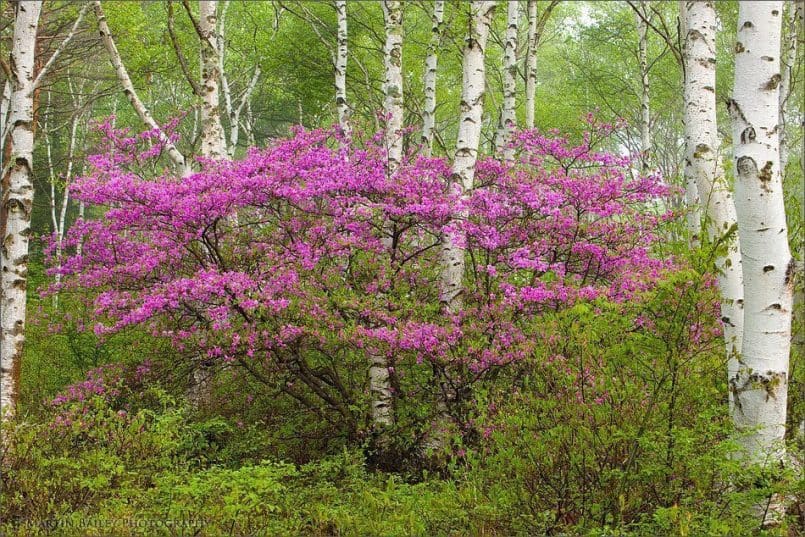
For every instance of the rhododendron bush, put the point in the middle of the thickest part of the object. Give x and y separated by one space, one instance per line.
295 264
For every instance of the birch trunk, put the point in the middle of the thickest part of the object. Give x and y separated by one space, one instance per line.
62 217
469 135
645 111
128 89
703 166
461 182
79 248
234 121
431 63
17 203
693 214
393 87
213 143
508 119
760 386
220 45
58 220
531 64
341 69
249 126
379 374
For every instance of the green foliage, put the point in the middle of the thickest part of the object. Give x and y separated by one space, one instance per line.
529 478
615 427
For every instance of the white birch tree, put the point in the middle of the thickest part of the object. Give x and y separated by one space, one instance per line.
760 387
341 103
393 86
536 25
17 202
469 136
58 215
213 143
703 167
645 100
508 118
431 64
531 64
379 374
232 108
693 202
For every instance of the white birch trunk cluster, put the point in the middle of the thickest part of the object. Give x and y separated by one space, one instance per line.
233 113
58 218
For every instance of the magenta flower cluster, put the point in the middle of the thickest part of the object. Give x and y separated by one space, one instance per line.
309 247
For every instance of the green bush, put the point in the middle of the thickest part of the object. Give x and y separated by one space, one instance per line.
617 424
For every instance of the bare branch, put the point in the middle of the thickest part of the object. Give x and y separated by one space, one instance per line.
52 60
179 55
664 33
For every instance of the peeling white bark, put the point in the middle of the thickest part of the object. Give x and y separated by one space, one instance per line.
703 166
508 119
17 203
248 125
128 89
760 387
469 136
431 63
341 69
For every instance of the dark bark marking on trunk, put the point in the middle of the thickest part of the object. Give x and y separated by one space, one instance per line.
773 82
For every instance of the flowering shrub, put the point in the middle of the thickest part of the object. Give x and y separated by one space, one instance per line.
301 260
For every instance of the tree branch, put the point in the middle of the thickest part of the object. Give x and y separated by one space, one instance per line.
664 33
52 60
179 55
